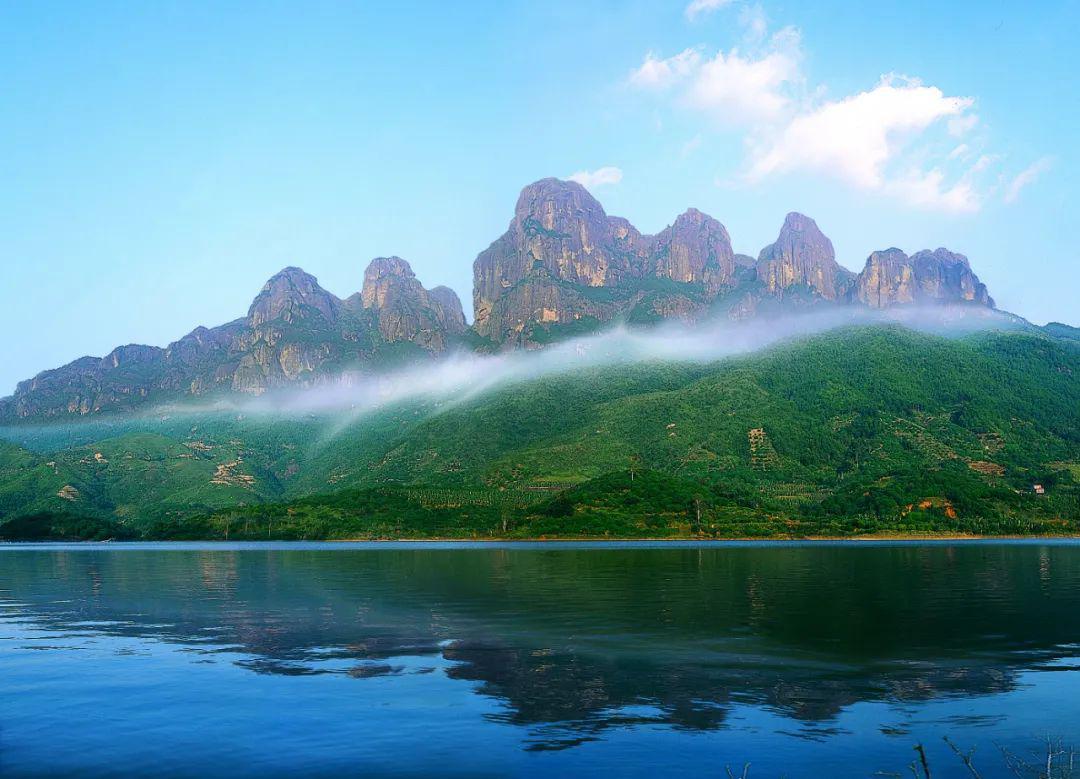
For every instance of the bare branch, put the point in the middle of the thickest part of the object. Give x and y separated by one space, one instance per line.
965 757
922 759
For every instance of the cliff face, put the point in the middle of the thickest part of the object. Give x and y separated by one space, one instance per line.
292 296
802 259
892 278
405 311
696 249
888 279
946 276
295 334
564 260
559 233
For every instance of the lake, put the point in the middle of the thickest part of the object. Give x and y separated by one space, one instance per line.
804 660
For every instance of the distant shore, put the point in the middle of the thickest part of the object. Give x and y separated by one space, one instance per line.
868 538
685 539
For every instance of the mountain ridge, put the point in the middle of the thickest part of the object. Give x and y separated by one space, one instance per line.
563 267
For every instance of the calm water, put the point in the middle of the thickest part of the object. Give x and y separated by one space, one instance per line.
803 660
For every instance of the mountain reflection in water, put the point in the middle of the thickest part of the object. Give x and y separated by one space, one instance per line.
571 643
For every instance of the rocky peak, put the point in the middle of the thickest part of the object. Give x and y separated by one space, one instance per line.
451 305
888 279
559 233
385 278
940 276
291 295
695 249
802 256
405 310
131 354
946 276
555 205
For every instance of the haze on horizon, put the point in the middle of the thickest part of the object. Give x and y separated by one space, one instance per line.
442 383
161 162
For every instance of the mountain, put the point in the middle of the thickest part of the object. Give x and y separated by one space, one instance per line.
294 334
855 430
892 278
1059 330
802 259
564 267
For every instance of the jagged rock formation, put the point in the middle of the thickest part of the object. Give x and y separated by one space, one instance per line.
802 260
295 334
696 249
563 260
405 311
563 267
892 278
887 279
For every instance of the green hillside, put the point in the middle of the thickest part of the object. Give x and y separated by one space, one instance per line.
858 430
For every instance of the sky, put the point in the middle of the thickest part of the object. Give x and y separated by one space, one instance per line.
160 161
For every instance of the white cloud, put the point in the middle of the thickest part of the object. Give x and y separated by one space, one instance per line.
734 87
855 138
656 73
591 179
893 139
1027 176
747 89
698 8
864 138
927 189
962 125
754 22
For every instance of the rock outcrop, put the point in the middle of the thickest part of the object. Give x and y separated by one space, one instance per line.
695 249
891 278
802 261
295 334
292 295
564 261
405 311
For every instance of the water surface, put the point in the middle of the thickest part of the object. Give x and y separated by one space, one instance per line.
805 660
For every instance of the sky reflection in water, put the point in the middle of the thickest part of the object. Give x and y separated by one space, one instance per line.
803 660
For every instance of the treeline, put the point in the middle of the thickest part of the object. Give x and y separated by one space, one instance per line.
635 503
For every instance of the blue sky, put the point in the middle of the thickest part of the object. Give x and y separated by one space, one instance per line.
159 161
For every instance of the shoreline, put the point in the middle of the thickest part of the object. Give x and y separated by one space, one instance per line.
570 540
690 539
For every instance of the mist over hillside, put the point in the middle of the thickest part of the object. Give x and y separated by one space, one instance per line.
822 426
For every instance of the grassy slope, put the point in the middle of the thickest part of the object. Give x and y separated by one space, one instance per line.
862 427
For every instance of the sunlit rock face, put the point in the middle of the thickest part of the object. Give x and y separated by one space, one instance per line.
801 259
564 260
696 249
292 295
404 310
891 278
559 238
295 334
887 279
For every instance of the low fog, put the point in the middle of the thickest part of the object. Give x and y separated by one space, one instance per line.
465 375
446 382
